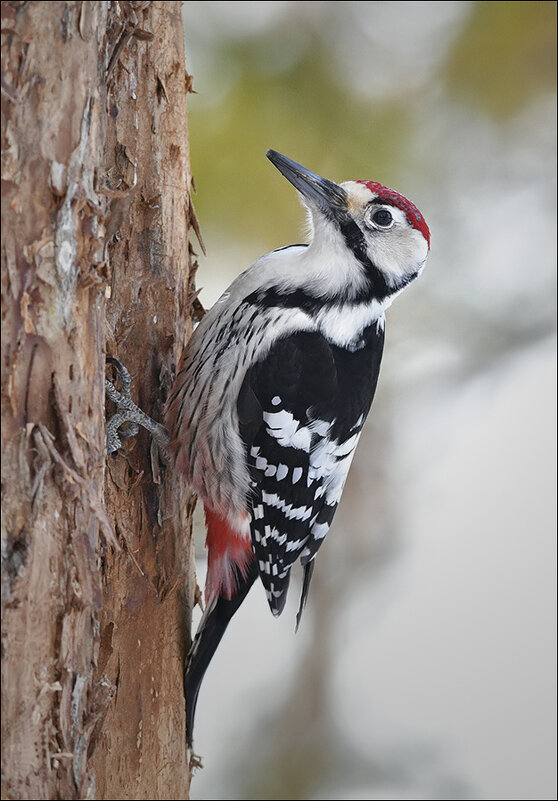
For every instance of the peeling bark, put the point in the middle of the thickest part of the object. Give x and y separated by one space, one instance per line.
97 576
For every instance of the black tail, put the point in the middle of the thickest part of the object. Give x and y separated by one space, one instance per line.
213 624
308 570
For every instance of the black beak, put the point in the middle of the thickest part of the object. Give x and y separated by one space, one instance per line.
330 197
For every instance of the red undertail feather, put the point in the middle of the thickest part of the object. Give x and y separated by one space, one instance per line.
227 550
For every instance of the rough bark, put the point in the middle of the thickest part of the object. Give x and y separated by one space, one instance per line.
96 559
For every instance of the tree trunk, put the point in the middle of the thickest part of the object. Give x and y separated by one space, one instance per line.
97 567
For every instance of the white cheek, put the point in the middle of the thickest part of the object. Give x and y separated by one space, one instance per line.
399 252
419 246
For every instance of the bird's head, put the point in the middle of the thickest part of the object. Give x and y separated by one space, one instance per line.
378 227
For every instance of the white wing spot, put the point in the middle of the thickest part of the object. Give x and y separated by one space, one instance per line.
321 427
276 400
280 539
293 546
301 439
297 474
282 471
329 465
319 530
358 423
287 431
296 513
347 447
282 420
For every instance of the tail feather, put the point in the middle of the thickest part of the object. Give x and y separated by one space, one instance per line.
308 570
214 622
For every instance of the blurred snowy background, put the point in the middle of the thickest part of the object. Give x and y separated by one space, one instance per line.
425 664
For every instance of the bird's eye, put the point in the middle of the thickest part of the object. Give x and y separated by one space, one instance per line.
382 218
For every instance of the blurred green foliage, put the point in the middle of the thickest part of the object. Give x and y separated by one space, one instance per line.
505 55
299 114
283 89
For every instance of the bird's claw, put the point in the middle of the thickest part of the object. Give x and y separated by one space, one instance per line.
128 414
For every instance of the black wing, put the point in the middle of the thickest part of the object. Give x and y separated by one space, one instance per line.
301 410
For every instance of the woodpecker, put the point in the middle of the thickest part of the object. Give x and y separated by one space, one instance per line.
273 389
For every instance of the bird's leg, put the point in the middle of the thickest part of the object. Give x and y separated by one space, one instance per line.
128 413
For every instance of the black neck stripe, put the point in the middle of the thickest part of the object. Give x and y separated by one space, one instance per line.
375 288
354 239
272 297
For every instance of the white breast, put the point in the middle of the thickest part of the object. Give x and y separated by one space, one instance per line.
343 325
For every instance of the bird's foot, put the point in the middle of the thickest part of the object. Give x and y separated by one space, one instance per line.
194 761
129 414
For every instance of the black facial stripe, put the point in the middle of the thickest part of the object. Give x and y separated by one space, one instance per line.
356 242
376 288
